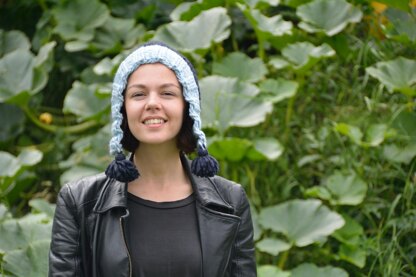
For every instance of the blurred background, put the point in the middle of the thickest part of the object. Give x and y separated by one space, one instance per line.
310 105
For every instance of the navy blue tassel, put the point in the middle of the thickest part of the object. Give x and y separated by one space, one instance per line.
122 169
204 165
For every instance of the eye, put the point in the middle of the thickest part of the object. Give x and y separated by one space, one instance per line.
168 93
137 94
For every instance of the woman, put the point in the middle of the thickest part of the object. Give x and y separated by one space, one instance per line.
175 218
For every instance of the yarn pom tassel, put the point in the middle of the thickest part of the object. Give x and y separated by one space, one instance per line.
122 169
204 165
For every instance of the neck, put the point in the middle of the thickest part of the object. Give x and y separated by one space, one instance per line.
162 177
157 163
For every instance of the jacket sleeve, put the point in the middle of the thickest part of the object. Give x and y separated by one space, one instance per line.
243 263
64 254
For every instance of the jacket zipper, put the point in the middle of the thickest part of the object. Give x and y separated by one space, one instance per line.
125 244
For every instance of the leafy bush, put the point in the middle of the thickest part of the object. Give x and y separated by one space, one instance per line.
310 104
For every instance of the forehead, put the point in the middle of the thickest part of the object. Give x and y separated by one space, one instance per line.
153 72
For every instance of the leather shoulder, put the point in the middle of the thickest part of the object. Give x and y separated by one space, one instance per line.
232 192
85 190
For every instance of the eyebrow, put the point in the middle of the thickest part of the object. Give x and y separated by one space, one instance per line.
166 85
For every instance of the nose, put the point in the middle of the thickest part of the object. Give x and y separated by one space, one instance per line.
152 101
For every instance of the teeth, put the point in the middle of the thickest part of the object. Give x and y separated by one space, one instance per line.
153 121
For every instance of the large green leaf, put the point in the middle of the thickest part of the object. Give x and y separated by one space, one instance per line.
272 246
42 206
4 213
399 4
9 164
230 149
278 63
11 41
11 168
327 16
85 100
397 75
78 172
265 149
239 65
405 124
253 3
23 74
211 26
271 271
375 134
279 89
303 55
187 10
346 189
45 56
295 3
14 124
351 235
311 270
237 149
77 21
108 66
182 8
116 34
400 154
401 26
30 261
303 222
29 157
213 84
269 26
222 108
18 233
88 157
17 73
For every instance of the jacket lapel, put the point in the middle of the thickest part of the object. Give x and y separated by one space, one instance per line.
218 227
110 208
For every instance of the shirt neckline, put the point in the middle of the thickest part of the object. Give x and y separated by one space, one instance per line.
161 205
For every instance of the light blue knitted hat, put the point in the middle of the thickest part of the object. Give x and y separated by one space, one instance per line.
123 169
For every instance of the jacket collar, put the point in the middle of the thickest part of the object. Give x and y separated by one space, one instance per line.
114 193
205 189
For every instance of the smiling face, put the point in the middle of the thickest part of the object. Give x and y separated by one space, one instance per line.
154 104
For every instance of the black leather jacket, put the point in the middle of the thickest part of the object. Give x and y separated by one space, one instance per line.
88 229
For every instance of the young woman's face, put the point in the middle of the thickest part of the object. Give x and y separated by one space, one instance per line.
154 104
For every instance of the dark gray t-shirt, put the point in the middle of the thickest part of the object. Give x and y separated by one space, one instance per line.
163 238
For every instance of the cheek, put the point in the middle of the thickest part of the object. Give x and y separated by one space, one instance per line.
131 109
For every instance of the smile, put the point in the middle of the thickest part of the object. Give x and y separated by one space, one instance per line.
153 121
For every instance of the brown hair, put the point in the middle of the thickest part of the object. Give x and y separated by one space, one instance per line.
186 141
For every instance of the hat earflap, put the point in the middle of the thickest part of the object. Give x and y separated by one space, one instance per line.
122 169
204 165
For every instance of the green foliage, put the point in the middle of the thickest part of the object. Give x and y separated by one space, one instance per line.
24 242
309 104
399 75
199 33
328 16
313 223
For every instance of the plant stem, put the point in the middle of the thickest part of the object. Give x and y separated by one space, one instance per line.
300 79
282 261
79 128
254 195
